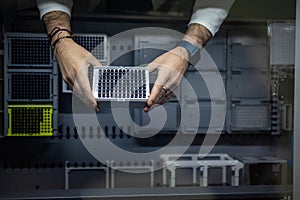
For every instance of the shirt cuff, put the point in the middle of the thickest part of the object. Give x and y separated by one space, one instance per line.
46 6
211 18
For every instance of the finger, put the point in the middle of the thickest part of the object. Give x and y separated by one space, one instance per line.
92 61
152 67
87 91
89 98
165 97
153 97
174 81
147 109
81 92
155 92
168 97
83 85
161 95
155 101
77 92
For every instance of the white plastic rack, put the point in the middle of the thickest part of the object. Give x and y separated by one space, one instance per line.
200 162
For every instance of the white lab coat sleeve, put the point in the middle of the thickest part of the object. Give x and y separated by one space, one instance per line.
210 13
46 6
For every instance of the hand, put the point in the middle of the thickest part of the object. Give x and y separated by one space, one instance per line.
74 61
171 67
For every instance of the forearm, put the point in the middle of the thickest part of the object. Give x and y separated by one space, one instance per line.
198 35
57 19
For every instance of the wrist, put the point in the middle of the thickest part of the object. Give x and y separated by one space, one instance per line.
59 34
197 35
192 52
193 40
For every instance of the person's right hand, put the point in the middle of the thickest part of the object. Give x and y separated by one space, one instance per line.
74 61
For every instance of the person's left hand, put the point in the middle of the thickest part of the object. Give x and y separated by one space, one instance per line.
170 67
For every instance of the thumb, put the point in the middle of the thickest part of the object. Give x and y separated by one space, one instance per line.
93 61
152 67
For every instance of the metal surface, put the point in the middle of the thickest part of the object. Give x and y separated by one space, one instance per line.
296 139
208 193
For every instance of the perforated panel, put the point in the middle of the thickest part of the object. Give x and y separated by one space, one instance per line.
121 83
282 43
96 44
251 117
30 120
29 51
30 86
